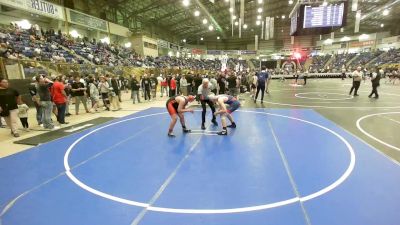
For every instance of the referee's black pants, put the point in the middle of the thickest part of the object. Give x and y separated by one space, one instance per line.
203 113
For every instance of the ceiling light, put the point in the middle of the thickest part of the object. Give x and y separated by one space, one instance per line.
226 0
290 2
363 37
236 23
385 12
258 23
201 39
186 3
382 25
259 10
345 38
244 26
210 27
283 16
205 21
325 3
24 24
234 17
260 1
218 38
328 41
184 40
128 45
197 13
259 17
74 33
231 9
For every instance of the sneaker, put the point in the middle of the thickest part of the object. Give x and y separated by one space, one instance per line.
224 132
55 128
355 94
233 125
15 134
203 127
214 122
171 135
186 130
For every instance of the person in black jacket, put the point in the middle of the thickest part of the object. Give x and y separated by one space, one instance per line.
222 84
146 85
375 80
135 89
115 93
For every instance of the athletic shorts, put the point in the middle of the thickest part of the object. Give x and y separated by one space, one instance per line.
233 106
172 107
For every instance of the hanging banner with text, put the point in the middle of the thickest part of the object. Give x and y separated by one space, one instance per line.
39 7
82 19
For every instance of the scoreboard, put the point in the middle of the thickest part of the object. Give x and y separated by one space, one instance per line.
312 19
323 16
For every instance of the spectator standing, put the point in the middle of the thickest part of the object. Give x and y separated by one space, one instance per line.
94 94
23 115
164 87
222 84
45 101
78 92
172 87
184 86
232 84
33 92
135 89
9 99
104 89
59 98
114 94
146 86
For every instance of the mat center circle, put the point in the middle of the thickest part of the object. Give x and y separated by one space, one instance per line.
148 206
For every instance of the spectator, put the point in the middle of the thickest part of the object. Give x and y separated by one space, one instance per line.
23 115
44 100
78 92
104 89
9 100
93 94
146 86
135 89
59 98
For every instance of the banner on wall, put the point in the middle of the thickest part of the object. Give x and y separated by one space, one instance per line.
391 40
38 7
82 19
248 52
361 44
198 51
162 44
214 52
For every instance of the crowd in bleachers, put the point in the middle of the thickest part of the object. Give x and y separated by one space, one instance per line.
340 60
318 63
390 57
37 44
365 57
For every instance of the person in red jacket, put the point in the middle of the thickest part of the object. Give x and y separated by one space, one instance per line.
164 86
59 98
172 87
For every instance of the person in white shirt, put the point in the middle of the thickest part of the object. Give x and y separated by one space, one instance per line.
184 85
253 85
357 76
23 115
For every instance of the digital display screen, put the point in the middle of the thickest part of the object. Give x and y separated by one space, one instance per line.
323 16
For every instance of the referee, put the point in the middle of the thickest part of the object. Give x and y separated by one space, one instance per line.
204 91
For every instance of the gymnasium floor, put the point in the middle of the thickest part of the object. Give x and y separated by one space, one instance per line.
299 158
